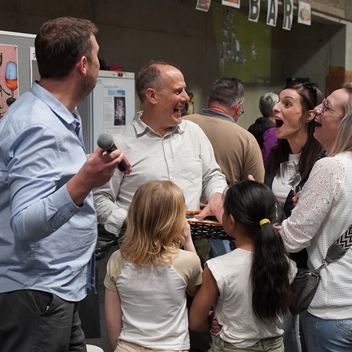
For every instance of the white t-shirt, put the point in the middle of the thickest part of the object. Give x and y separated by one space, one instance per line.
153 299
234 306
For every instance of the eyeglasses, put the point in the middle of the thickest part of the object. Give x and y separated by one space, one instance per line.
326 107
242 111
313 88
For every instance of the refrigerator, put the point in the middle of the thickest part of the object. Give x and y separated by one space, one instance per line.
110 106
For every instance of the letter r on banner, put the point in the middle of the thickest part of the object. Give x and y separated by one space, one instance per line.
287 14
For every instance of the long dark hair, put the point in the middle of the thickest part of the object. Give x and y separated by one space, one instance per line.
249 202
311 96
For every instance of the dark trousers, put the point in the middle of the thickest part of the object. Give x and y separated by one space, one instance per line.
36 321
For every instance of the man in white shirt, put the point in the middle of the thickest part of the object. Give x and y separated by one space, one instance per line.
161 146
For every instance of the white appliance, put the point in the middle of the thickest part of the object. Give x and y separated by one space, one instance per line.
108 107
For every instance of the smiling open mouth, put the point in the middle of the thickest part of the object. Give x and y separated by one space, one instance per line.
278 123
317 124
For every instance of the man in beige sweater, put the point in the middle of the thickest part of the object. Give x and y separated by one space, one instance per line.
236 150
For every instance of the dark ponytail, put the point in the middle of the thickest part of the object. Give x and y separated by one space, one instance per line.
252 204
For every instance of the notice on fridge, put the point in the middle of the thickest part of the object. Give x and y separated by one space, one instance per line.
114 108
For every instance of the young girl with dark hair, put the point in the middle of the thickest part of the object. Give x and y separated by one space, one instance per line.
250 286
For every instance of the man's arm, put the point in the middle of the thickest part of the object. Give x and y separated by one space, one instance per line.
109 214
214 181
98 169
44 194
214 207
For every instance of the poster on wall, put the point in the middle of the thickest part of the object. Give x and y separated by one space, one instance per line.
232 3
244 47
203 5
304 13
8 76
114 107
35 76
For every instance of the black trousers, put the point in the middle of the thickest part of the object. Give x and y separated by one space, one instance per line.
36 321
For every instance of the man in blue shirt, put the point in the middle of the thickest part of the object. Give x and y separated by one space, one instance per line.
47 217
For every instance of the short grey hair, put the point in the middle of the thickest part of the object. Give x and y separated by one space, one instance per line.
267 102
227 92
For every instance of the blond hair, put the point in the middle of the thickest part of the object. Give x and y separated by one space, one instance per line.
343 140
156 217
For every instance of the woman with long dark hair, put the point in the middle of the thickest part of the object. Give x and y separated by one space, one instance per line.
294 127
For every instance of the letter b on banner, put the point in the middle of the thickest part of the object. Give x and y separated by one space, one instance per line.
254 10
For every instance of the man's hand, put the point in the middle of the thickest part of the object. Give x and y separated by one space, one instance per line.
214 207
95 172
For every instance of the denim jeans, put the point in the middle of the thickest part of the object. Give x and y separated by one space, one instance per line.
328 335
292 339
219 247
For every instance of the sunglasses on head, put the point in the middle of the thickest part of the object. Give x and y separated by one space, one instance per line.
311 86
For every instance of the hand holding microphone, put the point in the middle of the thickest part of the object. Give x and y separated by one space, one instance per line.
106 142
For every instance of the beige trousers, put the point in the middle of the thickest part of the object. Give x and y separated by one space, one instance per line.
124 346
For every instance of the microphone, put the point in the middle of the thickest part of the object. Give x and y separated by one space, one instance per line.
106 142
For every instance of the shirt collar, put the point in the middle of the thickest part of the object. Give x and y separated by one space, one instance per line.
210 112
55 105
141 128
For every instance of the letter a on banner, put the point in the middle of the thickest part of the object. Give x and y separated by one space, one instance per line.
254 10
271 16
287 14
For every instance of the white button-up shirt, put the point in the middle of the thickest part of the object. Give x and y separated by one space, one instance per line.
183 155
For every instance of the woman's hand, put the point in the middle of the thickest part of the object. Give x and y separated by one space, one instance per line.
295 198
215 326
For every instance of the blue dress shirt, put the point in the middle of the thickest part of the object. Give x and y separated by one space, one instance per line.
46 241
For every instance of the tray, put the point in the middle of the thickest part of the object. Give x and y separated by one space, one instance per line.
208 227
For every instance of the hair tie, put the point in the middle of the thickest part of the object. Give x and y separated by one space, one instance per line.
263 222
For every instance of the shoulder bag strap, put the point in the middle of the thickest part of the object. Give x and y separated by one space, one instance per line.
339 248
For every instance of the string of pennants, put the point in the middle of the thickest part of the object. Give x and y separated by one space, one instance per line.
303 17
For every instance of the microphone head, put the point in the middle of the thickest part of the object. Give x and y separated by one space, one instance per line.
105 141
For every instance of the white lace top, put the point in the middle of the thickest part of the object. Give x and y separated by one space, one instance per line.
323 213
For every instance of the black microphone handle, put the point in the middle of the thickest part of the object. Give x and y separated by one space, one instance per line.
106 142
122 165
